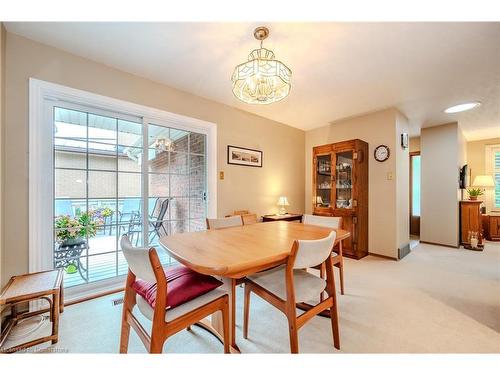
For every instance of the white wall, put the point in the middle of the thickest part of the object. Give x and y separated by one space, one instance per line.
384 232
442 153
402 183
414 144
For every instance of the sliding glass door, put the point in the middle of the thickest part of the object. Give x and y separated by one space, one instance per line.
116 174
176 182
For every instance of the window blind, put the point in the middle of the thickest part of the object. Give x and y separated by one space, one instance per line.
496 176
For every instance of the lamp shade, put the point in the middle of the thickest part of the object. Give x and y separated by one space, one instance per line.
282 201
484 182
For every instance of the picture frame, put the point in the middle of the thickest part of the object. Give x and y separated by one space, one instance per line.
244 156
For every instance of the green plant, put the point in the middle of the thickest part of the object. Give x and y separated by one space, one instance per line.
475 192
107 212
81 226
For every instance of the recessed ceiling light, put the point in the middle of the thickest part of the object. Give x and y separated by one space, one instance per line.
462 107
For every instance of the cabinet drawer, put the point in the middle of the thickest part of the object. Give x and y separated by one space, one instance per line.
494 226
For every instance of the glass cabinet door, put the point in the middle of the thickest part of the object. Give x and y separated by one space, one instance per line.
343 179
323 196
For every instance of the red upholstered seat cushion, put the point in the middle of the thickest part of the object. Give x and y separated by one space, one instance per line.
183 285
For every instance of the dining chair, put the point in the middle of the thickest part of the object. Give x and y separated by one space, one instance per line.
337 259
290 283
241 212
224 222
172 298
247 217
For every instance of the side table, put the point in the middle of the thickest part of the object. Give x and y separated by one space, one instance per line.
46 285
285 217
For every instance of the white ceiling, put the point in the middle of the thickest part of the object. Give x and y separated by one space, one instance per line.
339 70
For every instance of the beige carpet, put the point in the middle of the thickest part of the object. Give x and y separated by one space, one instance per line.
436 300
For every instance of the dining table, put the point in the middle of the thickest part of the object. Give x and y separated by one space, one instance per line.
231 254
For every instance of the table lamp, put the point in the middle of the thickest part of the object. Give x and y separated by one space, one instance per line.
484 182
282 202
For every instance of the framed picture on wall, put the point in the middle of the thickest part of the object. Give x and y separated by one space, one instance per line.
244 156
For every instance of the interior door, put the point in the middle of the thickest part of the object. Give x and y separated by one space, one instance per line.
415 193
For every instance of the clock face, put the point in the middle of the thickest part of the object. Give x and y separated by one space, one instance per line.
382 153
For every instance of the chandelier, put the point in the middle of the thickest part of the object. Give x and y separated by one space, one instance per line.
163 144
262 79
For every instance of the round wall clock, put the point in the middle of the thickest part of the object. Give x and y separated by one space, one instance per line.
381 153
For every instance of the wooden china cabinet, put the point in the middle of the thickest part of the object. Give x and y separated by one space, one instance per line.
340 188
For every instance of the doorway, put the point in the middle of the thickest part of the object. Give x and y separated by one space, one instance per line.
415 194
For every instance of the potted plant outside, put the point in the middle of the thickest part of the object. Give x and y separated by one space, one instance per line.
72 231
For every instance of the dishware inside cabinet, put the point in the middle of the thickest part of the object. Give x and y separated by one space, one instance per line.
323 181
343 179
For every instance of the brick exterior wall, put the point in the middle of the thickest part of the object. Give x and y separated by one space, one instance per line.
185 182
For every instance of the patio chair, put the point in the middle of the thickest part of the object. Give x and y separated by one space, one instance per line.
130 213
131 207
157 219
156 222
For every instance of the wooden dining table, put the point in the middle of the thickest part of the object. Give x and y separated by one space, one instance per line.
230 254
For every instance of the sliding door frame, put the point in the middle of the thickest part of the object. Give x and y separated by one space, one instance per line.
45 95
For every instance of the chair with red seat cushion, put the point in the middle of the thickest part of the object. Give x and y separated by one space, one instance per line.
183 285
172 298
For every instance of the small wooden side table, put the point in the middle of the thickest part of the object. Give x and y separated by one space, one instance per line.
46 285
491 226
285 217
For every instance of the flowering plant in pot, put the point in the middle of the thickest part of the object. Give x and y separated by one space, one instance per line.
474 193
102 213
74 230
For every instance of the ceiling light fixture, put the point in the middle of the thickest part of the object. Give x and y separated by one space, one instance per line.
163 144
462 107
262 79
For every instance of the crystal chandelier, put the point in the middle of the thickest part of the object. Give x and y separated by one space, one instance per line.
163 144
262 79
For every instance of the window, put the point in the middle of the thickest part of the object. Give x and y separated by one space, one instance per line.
496 177
492 196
